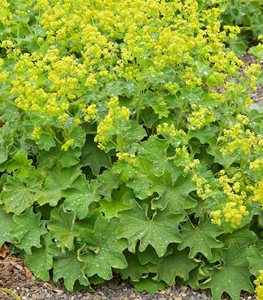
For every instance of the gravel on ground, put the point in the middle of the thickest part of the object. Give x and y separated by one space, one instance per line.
16 277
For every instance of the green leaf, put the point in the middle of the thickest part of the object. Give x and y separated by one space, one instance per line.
17 195
40 262
21 164
141 185
45 142
27 230
120 201
225 161
255 258
80 196
200 239
3 152
193 95
57 181
120 87
158 231
124 171
197 275
206 135
238 45
157 103
47 160
95 158
70 268
149 256
103 250
69 158
240 238
109 181
176 198
78 134
134 270
149 117
61 227
129 133
6 140
6 227
148 285
233 276
144 183
154 150
173 265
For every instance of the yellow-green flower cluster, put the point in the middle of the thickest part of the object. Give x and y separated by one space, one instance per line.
237 139
5 14
257 191
200 117
36 132
67 144
172 87
65 76
190 78
259 285
257 165
216 216
90 112
234 213
95 27
89 44
168 130
109 124
130 158
183 158
252 72
236 197
203 189
233 31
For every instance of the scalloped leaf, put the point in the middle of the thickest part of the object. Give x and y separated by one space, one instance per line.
69 268
95 158
40 262
27 230
120 201
200 239
255 258
58 180
80 195
149 285
62 227
176 198
103 250
178 264
158 231
21 164
17 195
233 276
6 227
134 269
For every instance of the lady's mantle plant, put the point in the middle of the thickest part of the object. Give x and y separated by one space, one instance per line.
129 144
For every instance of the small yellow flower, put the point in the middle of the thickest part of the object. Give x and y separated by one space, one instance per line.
67 144
259 285
36 132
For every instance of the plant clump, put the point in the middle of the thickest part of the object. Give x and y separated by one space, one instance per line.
129 144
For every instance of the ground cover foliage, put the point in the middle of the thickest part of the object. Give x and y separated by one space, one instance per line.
129 144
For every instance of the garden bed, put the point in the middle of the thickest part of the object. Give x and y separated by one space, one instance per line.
130 148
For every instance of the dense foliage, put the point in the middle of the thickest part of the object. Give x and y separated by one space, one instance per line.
248 15
129 144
